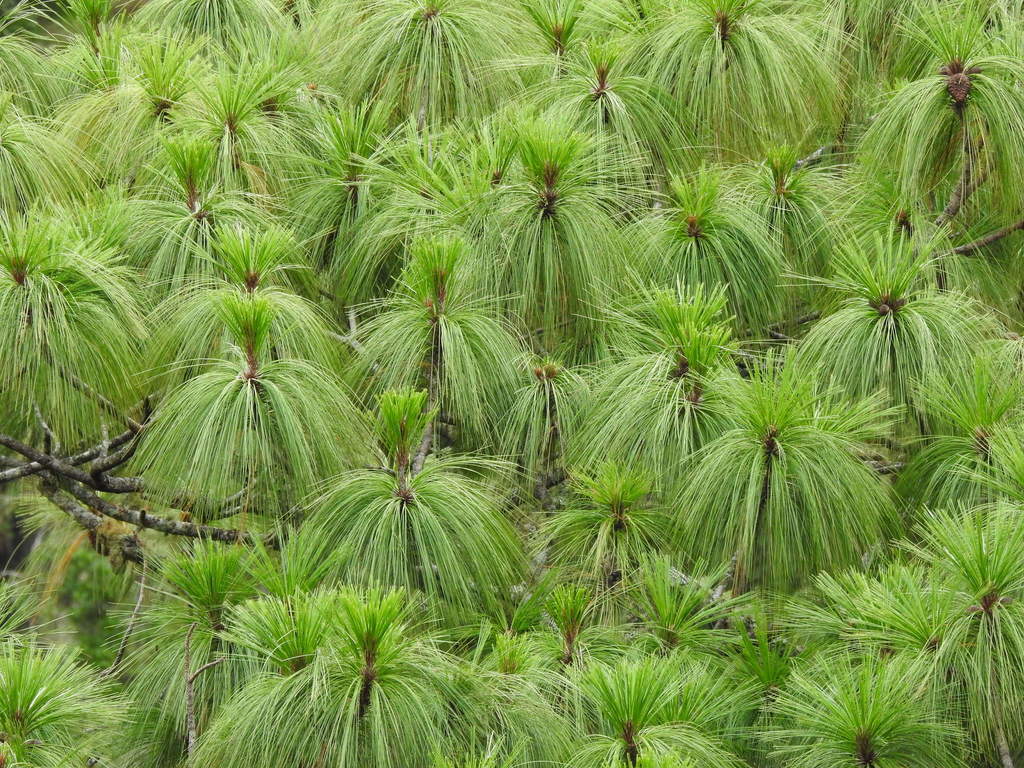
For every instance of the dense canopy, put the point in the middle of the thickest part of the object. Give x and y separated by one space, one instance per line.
507 383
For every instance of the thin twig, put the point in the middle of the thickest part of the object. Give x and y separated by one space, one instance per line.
726 581
724 584
886 467
108 406
52 443
190 695
123 647
206 666
421 454
192 732
1005 757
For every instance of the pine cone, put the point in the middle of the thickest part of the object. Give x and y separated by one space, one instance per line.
959 86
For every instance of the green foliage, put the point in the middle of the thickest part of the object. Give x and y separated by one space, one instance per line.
418 532
554 229
971 407
980 560
706 235
249 419
602 92
39 167
423 56
486 384
73 325
966 109
607 528
437 331
784 489
860 710
174 220
377 690
889 330
760 60
657 710
219 20
655 401
54 711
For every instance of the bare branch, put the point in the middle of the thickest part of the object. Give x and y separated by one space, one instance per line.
142 519
885 467
421 454
346 339
192 731
206 666
1005 757
191 735
814 158
123 647
726 581
990 238
103 483
52 443
112 460
88 520
426 442
24 469
351 337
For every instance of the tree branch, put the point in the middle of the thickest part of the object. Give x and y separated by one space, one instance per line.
87 519
192 731
812 159
432 368
990 238
719 590
421 454
885 467
726 581
50 439
206 666
965 186
102 483
190 695
142 519
24 469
